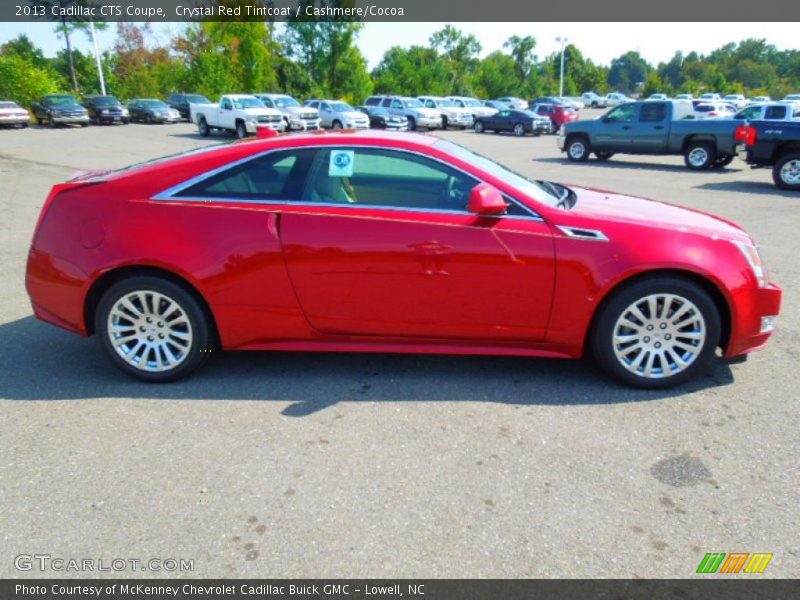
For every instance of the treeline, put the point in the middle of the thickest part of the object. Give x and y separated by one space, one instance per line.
322 59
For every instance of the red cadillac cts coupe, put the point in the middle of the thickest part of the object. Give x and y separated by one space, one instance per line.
388 243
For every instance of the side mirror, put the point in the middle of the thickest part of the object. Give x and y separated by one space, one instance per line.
486 200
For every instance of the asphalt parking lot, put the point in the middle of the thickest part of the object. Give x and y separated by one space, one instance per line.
351 465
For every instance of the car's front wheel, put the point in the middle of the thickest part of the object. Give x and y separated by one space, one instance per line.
656 333
578 149
153 328
786 172
519 130
241 130
478 126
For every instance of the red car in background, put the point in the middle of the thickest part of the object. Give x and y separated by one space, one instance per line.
387 242
557 113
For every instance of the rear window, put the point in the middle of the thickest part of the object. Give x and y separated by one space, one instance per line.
653 112
274 176
775 112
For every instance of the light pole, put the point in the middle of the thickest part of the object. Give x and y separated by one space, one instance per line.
97 59
563 41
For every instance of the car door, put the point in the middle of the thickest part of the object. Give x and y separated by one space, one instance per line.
615 130
383 246
652 129
226 116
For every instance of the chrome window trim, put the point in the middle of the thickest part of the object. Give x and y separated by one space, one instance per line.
169 193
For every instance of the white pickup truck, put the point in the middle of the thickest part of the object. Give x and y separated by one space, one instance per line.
240 113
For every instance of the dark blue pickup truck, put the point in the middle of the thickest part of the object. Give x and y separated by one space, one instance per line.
773 144
651 127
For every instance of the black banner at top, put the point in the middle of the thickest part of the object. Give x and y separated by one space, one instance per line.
172 11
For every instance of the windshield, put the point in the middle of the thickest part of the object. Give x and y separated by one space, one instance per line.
520 182
341 107
9 105
445 102
471 102
106 101
412 103
285 101
61 100
196 99
247 103
152 103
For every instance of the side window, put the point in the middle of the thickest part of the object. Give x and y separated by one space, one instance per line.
504 113
267 102
325 106
653 112
377 177
397 104
274 176
430 104
387 102
750 113
226 104
775 112
622 114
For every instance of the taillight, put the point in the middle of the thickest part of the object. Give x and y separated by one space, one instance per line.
746 134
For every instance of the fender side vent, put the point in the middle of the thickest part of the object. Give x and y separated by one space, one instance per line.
584 234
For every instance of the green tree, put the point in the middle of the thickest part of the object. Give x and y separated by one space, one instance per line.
459 53
627 71
24 82
413 71
496 76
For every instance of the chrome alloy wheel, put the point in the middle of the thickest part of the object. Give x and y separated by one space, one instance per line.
790 172
150 331
659 336
577 149
698 157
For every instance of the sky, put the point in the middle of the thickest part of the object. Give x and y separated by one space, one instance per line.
601 42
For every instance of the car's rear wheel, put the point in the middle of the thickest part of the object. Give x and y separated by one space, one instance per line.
241 130
153 328
478 126
786 172
519 129
656 333
603 155
412 123
699 155
203 127
578 148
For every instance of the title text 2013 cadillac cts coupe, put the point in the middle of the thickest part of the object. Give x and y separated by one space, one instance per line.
388 242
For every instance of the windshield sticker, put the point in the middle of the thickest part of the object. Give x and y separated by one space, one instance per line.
341 164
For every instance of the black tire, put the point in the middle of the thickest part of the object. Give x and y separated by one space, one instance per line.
412 123
286 125
785 172
553 128
337 124
51 123
723 161
203 128
201 330
578 148
241 130
478 127
603 155
519 130
444 122
699 156
594 104
84 124
602 335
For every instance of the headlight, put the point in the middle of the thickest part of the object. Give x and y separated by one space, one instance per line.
753 258
104 111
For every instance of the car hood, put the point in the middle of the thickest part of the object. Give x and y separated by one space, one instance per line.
610 206
300 110
354 115
426 112
259 112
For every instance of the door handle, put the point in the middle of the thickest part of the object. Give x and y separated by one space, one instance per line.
626 127
658 127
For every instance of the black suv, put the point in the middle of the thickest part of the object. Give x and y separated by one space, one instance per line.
105 110
180 102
